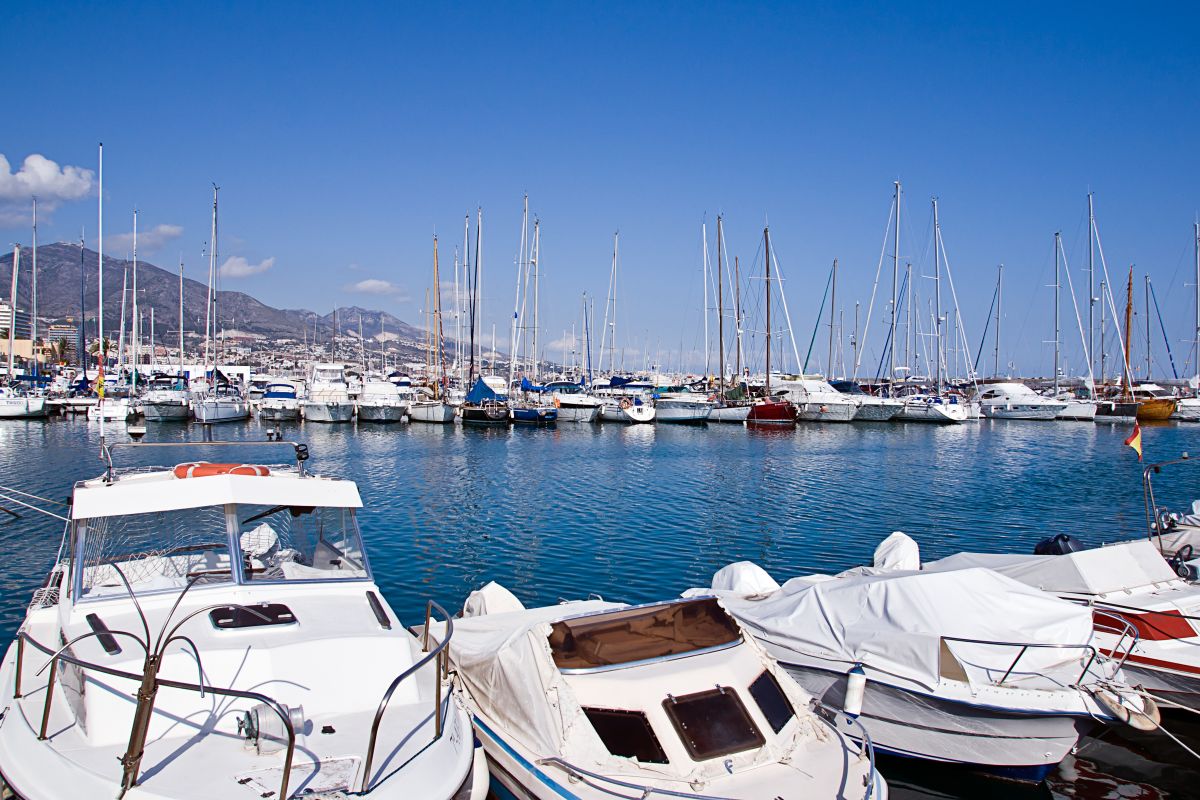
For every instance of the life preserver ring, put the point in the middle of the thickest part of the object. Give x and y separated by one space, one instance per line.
1146 720
204 469
626 402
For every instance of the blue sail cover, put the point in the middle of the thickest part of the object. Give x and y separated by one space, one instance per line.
481 392
526 386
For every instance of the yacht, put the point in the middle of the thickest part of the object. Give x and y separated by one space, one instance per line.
967 667
681 404
280 401
925 407
113 409
214 630
221 403
574 404
1154 402
1012 400
380 401
166 399
328 395
17 403
1078 405
870 407
591 700
816 400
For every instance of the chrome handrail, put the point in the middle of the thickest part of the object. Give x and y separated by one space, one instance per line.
300 448
1154 522
867 744
581 773
1127 629
1094 654
442 655
55 657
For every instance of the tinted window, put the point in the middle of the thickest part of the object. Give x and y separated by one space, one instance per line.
713 723
628 734
772 701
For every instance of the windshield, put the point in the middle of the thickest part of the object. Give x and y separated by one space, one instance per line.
165 551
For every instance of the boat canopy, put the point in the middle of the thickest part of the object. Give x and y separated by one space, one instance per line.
481 392
911 624
526 386
1099 571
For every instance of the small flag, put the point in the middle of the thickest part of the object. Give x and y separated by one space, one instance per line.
1135 440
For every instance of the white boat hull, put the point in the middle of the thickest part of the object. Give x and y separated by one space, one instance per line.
166 411
382 413
111 411
633 413
573 413
279 413
682 411
817 411
1078 410
213 411
22 407
877 410
733 414
328 412
434 412
937 413
1187 410
1026 411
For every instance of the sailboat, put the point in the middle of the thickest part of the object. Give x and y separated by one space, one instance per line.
167 398
1188 408
435 409
15 401
770 410
524 411
730 404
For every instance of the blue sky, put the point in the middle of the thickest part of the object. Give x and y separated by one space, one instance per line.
344 137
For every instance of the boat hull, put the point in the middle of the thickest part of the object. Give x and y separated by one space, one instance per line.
1078 410
1021 411
328 412
816 411
22 408
167 411
279 413
389 413
210 412
485 415
581 413
683 411
732 414
772 412
434 412
874 410
1187 410
537 415
1156 409
1116 411
932 412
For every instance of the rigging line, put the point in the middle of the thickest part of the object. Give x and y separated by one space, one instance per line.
962 328
1163 328
900 295
866 329
817 325
34 508
1078 322
986 326
34 496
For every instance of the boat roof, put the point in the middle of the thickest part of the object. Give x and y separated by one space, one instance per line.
157 489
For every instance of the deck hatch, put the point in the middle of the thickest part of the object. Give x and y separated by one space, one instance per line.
772 701
627 734
713 723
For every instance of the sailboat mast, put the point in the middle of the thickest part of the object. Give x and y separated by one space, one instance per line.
1057 287
1103 325
121 333
1091 279
895 278
33 296
208 303
908 322
704 276
1149 348
1128 330
937 295
720 311
516 315
81 345
437 322
135 327
999 300
100 261
1196 230
767 245
12 318
737 314
832 311
181 315
537 254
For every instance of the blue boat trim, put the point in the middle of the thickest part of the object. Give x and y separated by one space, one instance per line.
535 771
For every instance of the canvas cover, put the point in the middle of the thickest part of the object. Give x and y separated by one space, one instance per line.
898 552
894 624
1100 571
481 392
744 577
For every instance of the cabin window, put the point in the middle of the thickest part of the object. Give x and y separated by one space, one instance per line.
159 551
713 723
289 543
637 634
627 734
771 701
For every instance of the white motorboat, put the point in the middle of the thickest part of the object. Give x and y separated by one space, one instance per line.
328 397
1187 409
967 667
435 411
1129 582
932 408
730 412
816 400
632 408
167 399
280 402
113 409
222 403
574 404
593 700
1076 408
79 404
681 405
380 401
17 403
1012 400
870 407
214 631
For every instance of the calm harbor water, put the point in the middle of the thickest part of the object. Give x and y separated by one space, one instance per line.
638 513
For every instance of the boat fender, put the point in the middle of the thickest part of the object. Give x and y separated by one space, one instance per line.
1146 720
625 402
856 688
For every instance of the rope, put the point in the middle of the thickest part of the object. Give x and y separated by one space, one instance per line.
33 508
34 496
1172 704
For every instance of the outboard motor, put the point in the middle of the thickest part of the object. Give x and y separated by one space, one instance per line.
1058 545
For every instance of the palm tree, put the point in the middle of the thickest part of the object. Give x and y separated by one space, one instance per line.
60 349
94 348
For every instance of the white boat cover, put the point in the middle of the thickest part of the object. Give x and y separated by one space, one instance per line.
1099 571
491 598
746 578
894 623
898 552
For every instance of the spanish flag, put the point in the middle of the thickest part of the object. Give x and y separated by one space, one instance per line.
1135 440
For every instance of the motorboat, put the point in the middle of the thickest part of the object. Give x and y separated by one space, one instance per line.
871 408
680 404
816 400
771 411
1012 400
166 399
328 397
630 408
967 667
925 407
1128 584
280 402
214 630
1187 409
113 409
256 388
1078 406
574 404
380 401
532 414
734 412
1116 410
220 403
592 700
16 402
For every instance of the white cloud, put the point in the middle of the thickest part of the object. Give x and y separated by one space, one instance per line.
38 176
374 286
148 241
238 267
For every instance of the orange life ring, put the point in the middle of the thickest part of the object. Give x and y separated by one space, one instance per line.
626 402
204 469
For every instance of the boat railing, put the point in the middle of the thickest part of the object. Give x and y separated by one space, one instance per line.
1089 652
645 792
440 655
106 449
62 656
1158 520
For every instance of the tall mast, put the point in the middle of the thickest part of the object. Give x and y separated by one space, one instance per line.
362 347
610 302
1148 339
1196 227
895 278
832 311
767 245
478 301
999 300
151 336
81 345
466 264
537 254
181 315
737 314
704 275
937 295
437 323
12 318
100 261
1091 280
121 333
1057 284
1128 331
720 310
908 323
33 296
209 323
135 326
1103 325
516 315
